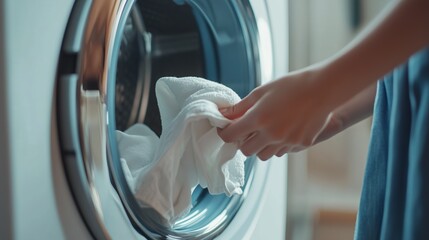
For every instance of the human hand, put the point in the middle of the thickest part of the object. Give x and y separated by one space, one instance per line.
286 115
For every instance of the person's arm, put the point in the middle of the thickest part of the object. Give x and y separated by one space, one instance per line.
288 114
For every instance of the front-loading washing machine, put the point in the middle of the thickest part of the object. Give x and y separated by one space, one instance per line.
74 72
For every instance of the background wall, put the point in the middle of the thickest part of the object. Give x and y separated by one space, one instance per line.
325 181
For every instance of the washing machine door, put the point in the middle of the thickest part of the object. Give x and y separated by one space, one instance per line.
113 53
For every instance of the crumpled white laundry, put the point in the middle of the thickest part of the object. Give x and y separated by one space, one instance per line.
162 172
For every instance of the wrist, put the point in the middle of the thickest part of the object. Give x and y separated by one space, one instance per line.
337 81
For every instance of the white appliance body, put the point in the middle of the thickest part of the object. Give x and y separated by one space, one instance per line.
36 199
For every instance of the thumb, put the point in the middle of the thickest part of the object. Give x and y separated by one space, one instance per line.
237 110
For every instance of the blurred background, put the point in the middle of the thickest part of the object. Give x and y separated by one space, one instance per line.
324 182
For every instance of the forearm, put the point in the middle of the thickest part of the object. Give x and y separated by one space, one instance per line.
392 38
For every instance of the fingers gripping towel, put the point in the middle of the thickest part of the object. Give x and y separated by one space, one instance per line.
162 172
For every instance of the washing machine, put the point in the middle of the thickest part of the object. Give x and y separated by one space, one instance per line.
74 72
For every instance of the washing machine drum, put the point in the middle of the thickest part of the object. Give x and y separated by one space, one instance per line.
113 53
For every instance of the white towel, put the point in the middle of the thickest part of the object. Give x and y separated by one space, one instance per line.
163 172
